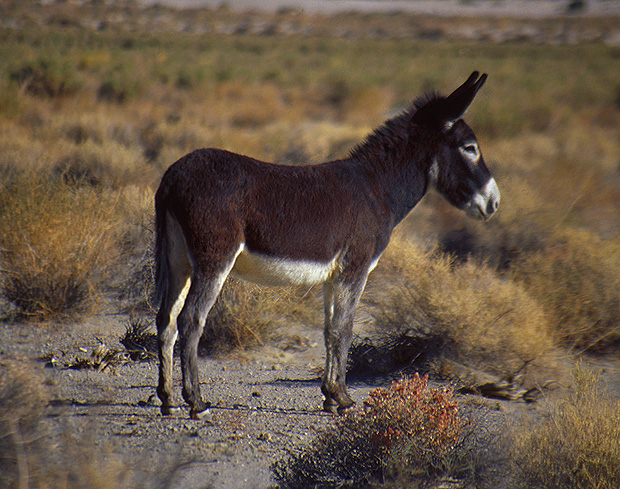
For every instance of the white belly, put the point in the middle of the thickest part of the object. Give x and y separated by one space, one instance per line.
269 270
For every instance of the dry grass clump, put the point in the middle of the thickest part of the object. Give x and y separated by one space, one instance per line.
58 244
481 319
111 164
576 444
577 279
407 432
246 315
571 272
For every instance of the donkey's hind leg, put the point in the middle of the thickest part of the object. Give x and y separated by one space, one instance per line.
177 280
166 321
201 296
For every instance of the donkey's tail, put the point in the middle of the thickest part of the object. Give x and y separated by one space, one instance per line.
162 267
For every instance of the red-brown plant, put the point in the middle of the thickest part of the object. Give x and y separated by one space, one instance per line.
410 410
402 432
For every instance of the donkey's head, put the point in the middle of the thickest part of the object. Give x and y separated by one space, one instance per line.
458 170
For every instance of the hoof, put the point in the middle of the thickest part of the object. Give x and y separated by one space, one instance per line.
202 414
331 406
345 409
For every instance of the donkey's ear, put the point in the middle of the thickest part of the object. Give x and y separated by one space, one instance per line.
439 112
455 105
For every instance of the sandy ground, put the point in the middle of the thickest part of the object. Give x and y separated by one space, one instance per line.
265 402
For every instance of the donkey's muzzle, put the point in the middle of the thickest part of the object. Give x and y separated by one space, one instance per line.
485 202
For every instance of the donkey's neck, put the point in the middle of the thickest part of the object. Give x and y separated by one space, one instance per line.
398 157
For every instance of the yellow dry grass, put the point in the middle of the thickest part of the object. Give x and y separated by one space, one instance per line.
59 243
484 319
121 110
575 444
576 278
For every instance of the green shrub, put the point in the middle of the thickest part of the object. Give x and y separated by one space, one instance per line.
119 85
46 77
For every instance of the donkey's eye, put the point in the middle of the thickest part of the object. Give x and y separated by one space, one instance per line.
471 149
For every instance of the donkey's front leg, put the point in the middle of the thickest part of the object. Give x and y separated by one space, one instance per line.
340 301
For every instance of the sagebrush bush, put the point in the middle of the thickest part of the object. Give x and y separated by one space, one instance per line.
575 444
482 319
576 277
405 432
59 243
246 315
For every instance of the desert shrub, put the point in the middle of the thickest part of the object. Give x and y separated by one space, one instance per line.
46 77
405 432
58 243
187 78
465 311
118 85
246 315
575 445
576 277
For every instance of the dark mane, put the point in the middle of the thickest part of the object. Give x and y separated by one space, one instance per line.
429 98
391 135
385 138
